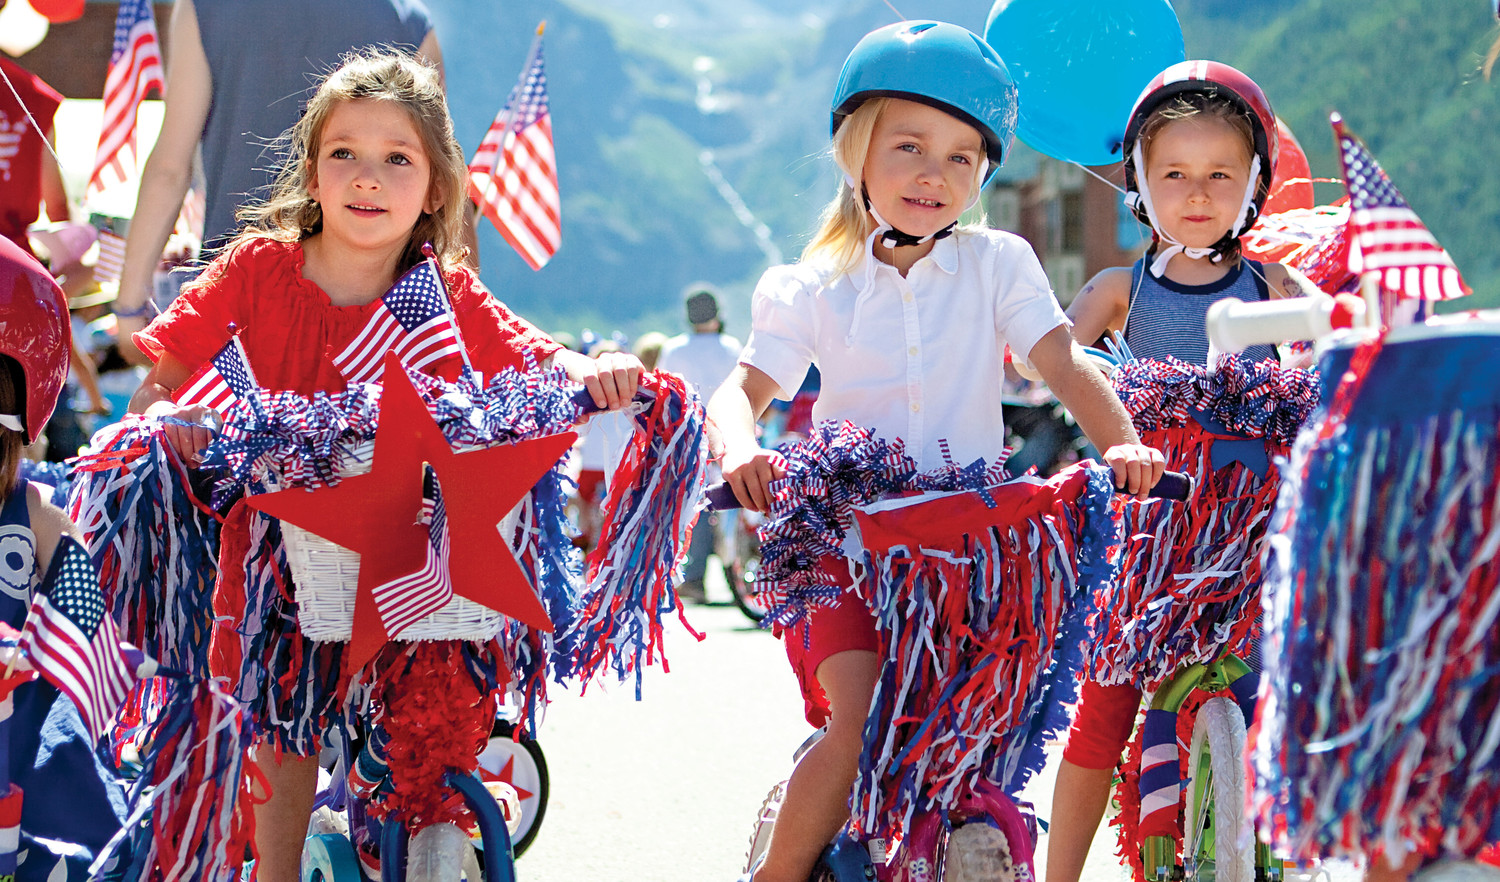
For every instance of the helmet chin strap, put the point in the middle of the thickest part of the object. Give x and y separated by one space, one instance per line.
893 238
1142 199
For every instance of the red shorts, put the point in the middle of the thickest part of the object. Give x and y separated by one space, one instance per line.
590 483
825 632
1102 726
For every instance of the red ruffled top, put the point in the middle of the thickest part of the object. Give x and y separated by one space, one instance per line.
291 330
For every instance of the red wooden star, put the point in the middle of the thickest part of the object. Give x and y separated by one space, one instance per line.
376 514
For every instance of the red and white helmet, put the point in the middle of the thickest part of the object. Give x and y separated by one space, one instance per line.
1210 78
34 330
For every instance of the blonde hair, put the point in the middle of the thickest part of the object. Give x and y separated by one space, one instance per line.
291 214
846 223
1490 58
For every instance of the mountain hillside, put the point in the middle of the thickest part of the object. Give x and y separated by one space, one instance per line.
690 132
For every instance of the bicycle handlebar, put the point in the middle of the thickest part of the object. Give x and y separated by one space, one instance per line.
1234 325
1176 486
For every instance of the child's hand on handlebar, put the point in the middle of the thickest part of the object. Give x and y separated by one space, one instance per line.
188 429
749 471
611 379
1137 468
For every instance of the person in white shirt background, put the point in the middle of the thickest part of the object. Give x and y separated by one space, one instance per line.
705 358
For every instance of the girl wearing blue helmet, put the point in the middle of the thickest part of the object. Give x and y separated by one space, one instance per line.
907 316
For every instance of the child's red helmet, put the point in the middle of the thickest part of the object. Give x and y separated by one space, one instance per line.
34 330
1210 78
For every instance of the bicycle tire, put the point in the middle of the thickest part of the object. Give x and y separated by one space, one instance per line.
739 573
1212 847
328 857
530 770
765 819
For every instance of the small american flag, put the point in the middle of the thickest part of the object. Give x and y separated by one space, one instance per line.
134 70
513 175
1387 236
72 641
415 321
403 601
225 378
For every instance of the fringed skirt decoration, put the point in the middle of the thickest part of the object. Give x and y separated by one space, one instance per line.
153 540
1379 715
1190 572
652 499
979 599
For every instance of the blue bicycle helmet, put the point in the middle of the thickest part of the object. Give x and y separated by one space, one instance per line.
941 65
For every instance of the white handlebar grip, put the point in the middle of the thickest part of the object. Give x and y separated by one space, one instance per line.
1234 325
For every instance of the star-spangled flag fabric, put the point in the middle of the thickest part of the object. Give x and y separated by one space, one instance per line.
513 175
134 70
73 643
225 378
1386 236
403 601
415 320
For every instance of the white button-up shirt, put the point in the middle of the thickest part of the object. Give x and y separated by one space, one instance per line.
918 358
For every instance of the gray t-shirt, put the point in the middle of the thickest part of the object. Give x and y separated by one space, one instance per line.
265 57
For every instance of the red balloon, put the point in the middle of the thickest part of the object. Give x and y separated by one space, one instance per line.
1291 165
59 10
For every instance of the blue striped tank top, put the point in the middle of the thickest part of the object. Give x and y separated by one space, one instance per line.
1168 318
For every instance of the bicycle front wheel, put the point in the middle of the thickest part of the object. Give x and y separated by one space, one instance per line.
1213 849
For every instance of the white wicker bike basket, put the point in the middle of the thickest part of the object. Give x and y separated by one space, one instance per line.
325 576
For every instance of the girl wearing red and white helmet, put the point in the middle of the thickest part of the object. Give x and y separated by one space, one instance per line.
1200 152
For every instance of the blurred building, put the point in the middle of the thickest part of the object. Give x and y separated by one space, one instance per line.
1076 222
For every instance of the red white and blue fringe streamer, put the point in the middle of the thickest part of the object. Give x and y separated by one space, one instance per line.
1379 713
187 822
1190 572
154 542
647 513
981 615
981 609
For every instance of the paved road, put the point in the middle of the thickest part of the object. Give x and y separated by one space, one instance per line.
666 789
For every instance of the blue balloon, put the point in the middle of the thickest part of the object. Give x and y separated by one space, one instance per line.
1079 65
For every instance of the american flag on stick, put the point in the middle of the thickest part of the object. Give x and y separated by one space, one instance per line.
134 70
72 641
513 175
1386 236
403 601
226 378
414 320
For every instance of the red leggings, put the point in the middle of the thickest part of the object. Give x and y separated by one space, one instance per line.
1106 715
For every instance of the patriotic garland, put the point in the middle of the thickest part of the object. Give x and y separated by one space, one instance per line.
1252 399
1379 717
839 466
